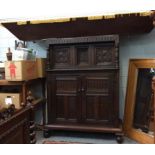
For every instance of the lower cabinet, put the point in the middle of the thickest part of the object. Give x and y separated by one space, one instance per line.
83 101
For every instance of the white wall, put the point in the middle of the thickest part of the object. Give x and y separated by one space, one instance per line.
40 47
7 39
137 46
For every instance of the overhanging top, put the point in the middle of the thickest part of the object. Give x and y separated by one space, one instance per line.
123 24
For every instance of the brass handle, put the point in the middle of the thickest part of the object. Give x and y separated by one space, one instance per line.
82 89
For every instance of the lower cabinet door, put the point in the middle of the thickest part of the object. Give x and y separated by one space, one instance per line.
85 98
98 99
64 99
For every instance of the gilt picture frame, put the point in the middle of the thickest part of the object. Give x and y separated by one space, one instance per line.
129 130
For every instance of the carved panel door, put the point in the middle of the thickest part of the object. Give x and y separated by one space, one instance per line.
105 55
60 56
65 99
98 98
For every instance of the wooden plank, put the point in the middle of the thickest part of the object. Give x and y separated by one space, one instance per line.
123 25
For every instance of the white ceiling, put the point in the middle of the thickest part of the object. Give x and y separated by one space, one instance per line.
36 9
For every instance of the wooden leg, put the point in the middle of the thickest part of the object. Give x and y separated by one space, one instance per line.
119 138
46 133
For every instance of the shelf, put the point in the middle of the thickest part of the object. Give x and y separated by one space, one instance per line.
6 82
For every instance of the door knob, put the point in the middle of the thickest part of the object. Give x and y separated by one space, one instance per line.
82 89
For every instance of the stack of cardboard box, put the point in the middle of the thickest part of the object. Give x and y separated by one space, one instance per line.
22 70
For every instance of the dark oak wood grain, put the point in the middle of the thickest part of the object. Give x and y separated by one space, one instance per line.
82 85
124 24
16 129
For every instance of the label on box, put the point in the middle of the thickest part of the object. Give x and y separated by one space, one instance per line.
20 70
12 69
8 100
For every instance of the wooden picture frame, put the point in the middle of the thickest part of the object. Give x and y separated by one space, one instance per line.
129 131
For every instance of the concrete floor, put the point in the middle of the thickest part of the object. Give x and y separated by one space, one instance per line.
81 137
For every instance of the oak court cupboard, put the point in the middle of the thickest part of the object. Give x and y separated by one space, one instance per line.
82 85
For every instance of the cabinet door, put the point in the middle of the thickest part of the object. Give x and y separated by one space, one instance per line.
105 55
82 55
64 99
60 56
98 99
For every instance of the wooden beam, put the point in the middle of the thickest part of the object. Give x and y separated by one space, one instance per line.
126 24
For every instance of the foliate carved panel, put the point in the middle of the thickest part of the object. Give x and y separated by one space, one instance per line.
62 55
102 55
105 55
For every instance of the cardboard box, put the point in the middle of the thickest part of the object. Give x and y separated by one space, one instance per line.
41 67
14 97
20 70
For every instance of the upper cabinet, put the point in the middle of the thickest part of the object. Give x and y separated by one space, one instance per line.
95 53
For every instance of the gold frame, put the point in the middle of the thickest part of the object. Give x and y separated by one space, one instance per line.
129 131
